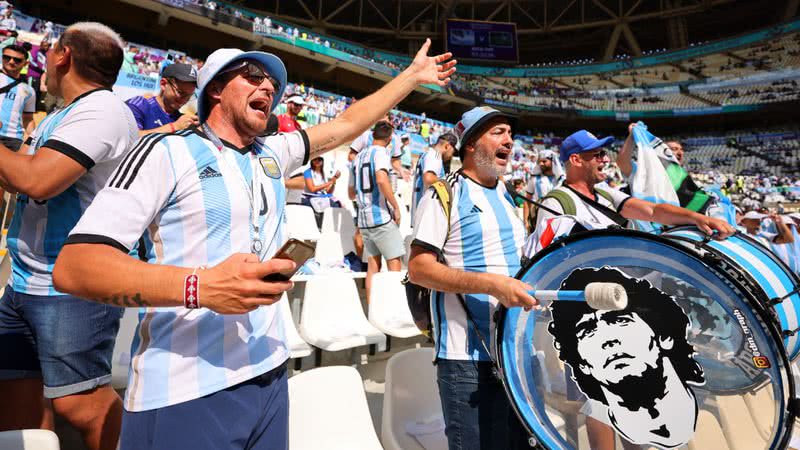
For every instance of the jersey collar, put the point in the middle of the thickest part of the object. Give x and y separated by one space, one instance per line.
243 150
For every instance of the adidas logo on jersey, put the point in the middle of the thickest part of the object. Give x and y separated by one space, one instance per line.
475 209
209 172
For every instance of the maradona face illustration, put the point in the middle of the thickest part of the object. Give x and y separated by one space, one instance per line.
636 361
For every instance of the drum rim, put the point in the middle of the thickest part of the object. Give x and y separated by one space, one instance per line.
765 298
759 309
744 236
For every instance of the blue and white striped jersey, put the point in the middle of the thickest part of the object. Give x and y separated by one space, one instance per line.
395 147
96 130
373 208
430 161
485 235
18 100
191 203
540 185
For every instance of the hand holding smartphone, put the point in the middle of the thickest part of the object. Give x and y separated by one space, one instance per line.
295 250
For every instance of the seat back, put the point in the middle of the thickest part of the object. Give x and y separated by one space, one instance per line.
340 220
411 395
331 304
298 348
388 306
300 223
328 410
329 248
28 440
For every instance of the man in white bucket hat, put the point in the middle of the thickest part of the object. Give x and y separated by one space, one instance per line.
206 206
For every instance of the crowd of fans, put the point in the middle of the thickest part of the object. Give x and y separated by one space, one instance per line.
523 91
144 150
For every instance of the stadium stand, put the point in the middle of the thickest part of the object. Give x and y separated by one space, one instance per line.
755 166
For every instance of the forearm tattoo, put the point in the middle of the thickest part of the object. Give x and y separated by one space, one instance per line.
126 301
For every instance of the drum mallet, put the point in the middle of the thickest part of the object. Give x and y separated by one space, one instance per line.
609 296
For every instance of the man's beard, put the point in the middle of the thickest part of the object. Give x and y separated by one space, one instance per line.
485 163
634 389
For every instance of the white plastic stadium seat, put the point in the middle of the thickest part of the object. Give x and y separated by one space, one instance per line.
28 440
301 223
329 248
298 348
411 396
340 220
328 410
121 361
332 318
388 307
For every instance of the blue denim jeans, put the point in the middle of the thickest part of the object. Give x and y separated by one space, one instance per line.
64 340
477 413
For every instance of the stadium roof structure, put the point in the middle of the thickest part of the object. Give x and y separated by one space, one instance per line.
549 30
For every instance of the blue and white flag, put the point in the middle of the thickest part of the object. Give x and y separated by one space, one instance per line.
650 180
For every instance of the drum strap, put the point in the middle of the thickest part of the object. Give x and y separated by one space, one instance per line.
445 195
615 216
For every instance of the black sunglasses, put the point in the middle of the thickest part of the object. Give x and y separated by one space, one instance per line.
254 74
13 58
601 155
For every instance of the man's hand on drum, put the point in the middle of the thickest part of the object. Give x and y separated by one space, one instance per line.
716 228
512 292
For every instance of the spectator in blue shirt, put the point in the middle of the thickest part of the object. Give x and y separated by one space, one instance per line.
160 114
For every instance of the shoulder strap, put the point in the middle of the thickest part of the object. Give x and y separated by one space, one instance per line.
10 86
605 195
563 199
615 216
445 195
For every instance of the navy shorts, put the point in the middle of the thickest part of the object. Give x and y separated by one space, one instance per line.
253 415
64 340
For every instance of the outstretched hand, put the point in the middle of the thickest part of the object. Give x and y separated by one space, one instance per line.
433 69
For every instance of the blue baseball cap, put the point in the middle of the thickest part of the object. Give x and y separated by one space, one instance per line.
581 141
226 57
472 120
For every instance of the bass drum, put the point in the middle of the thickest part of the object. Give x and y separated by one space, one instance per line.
695 361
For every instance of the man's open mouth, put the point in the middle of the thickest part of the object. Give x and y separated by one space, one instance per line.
261 106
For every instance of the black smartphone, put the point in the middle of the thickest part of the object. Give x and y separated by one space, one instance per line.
296 250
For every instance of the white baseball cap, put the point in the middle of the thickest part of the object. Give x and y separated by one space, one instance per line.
296 99
754 215
223 58
795 215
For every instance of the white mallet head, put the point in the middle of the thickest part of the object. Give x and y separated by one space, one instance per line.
610 296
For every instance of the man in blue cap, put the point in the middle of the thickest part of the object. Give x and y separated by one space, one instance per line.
206 206
582 195
467 251
161 113
595 205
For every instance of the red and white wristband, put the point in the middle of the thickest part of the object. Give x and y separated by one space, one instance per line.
191 289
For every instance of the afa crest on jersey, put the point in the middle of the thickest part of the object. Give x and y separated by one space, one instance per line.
270 166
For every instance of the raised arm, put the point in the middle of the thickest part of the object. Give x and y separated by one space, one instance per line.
625 155
784 232
357 118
